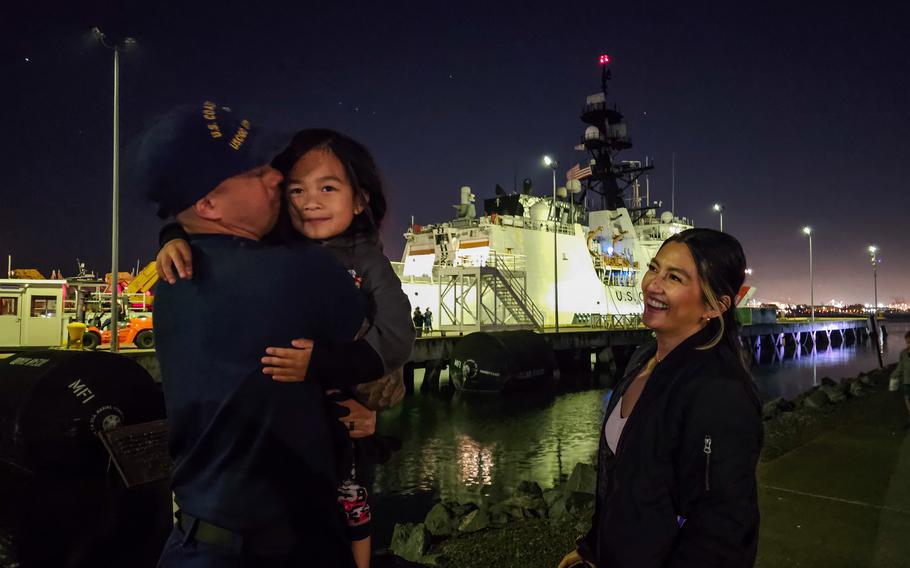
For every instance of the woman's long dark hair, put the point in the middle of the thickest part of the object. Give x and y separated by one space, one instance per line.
721 265
359 165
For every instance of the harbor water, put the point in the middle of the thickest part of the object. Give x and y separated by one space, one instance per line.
472 447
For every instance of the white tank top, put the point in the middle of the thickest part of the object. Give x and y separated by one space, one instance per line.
615 424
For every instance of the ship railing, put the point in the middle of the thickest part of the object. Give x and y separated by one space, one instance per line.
507 261
610 321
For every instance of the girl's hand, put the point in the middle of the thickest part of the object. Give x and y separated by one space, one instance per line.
361 422
175 254
573 558
289 365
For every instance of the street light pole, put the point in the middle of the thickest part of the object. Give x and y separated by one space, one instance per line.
553 164
873 250
872 254
720 209
115 211
115 193
808 232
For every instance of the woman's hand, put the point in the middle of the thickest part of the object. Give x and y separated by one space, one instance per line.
174 255
361 421
289 364
573 558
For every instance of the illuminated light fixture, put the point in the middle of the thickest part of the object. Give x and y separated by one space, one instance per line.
718 208
549 162
807 230
604 59
873 249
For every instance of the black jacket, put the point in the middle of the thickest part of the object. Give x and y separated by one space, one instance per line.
681 489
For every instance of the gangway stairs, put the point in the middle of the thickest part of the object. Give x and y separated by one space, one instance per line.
488 296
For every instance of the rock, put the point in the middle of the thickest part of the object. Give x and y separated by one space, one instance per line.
505 512
460 509
771 408
582 480
441 521
580 504
835 396
557 508
828 381
525 506
475 521
499 518
530 488
433 559
856 389
787 405
410 541
552 495
866 380
816 399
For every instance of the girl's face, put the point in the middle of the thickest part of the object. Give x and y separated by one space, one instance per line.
321 200
672 291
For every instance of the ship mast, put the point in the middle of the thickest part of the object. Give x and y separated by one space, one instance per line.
605 137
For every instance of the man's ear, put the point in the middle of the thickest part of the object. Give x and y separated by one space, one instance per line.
206 208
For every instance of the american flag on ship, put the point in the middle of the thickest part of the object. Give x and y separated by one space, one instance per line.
578 172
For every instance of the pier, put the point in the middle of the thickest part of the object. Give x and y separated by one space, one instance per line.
774 339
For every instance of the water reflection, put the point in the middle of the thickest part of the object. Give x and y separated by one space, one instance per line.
792 376
467 447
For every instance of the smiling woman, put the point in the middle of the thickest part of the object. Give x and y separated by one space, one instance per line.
682 434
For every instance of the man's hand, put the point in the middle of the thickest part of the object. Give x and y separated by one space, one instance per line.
174 255
573 559
288 365
360 421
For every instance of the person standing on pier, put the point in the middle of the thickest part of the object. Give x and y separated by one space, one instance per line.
682 433
418 321
427 320
902 374
254 469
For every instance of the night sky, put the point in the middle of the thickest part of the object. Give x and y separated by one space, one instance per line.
789 115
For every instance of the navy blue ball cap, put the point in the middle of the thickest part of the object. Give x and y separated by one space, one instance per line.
190 150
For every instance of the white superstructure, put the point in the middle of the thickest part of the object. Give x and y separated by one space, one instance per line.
599 263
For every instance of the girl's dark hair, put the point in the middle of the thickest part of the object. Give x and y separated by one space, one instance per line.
721 267
358 164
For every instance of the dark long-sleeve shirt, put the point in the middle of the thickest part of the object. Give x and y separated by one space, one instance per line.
251 452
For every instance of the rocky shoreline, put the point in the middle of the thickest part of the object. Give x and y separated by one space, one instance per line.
535 527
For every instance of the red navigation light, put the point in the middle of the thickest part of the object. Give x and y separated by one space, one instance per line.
604 59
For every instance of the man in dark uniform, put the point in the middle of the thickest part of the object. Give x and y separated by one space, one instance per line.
253 466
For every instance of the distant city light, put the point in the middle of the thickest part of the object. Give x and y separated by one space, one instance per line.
749 271
604 59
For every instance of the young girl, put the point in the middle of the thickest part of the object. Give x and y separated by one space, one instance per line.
335 196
